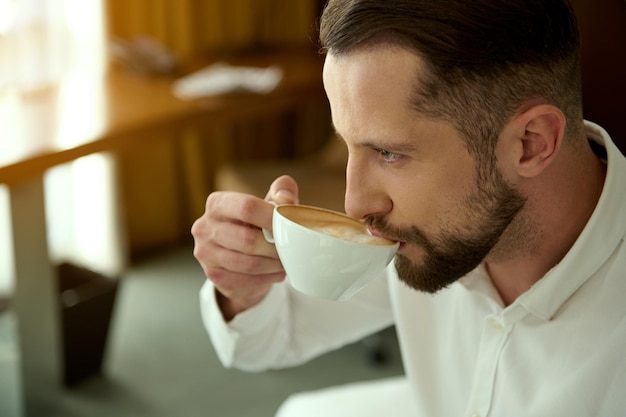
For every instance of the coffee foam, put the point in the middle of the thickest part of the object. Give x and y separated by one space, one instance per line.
347 231
333 224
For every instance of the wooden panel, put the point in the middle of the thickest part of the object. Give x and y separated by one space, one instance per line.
196 27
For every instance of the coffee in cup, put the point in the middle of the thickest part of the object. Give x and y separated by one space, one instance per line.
326 253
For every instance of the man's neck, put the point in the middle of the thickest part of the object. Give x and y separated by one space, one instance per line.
558 208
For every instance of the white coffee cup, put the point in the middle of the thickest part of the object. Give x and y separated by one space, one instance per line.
325 253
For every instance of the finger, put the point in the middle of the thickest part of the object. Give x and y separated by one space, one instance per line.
242 208
235 232
212 255
243 238
284 190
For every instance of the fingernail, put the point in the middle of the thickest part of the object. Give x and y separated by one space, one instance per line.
284 197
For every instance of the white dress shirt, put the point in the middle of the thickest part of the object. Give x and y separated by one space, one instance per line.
559 350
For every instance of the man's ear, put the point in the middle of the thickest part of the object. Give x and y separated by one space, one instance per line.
540 131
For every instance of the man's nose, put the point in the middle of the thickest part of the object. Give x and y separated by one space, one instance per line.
365 192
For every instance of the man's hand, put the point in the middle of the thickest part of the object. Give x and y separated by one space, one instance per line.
230 247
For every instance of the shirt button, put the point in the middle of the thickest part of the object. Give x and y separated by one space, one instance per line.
498 325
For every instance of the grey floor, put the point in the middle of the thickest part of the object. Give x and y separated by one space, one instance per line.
160 362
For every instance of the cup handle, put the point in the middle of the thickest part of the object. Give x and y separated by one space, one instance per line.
267 234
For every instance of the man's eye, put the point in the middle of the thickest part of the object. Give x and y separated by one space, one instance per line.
388 156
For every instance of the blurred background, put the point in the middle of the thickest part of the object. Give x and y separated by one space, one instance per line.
76 71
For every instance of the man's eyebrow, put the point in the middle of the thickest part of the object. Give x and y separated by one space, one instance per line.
396 146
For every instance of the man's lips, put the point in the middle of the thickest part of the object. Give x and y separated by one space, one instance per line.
376 233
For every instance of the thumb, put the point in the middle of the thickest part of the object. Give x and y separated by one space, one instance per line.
284 190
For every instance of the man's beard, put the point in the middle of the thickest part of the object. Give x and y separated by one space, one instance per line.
455 252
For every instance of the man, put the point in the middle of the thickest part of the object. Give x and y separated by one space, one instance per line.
463 121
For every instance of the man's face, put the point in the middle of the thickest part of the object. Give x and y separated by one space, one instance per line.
410 178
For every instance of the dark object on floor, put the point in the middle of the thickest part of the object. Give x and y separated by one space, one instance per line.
87 299
5 303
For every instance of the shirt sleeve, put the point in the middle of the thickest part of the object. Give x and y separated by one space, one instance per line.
288 328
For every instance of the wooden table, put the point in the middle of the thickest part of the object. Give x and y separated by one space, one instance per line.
78 118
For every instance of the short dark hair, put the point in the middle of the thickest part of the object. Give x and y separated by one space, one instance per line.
483 58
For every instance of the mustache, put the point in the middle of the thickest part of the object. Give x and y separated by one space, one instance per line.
409 234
